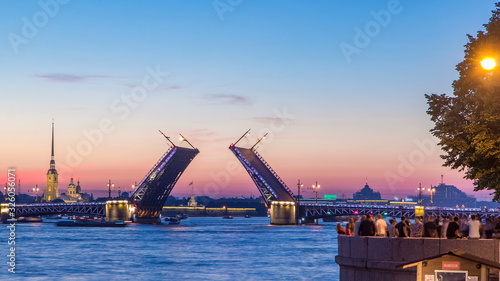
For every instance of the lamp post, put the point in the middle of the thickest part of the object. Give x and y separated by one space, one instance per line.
35 189
420 189
432 190
316 187
299 185
110 185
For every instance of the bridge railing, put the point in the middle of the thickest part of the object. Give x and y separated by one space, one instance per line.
137 193
94 208
328 210
249 167
273 172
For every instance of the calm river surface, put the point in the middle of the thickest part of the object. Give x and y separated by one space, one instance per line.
197 249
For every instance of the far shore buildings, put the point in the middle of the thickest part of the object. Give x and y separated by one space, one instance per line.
450 196
444 195
366 193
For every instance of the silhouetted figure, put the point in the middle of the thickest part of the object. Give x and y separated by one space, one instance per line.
367 227
402 228
430 227
452 230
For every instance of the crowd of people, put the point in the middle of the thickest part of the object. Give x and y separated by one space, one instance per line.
429 226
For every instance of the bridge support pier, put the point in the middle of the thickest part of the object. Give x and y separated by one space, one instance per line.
147 220
4 211
118 210
283 213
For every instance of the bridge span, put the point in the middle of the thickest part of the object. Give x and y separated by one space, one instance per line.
146 201
43 209
285 209
316 211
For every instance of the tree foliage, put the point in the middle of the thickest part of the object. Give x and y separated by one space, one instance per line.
468 123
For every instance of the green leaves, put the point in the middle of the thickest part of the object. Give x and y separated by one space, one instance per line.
468 123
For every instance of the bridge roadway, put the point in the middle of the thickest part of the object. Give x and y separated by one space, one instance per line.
41 209
316 211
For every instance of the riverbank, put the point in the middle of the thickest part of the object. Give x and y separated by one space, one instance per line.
377 258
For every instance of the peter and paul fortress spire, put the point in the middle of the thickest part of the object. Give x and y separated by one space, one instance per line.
52 189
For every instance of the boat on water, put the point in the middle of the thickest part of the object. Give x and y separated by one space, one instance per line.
24 219
29 219
247 216
173 220
227 217
337 219
91 223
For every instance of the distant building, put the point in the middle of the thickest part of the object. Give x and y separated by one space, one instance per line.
72 196
52 189
75 193
72 188
366 193
450 196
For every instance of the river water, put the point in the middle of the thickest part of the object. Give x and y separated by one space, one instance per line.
197 249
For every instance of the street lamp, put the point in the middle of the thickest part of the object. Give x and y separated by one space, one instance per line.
488 63
432 190
316 187
299 185
35 189
420 189
110 185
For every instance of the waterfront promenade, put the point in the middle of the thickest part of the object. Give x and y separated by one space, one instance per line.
377 258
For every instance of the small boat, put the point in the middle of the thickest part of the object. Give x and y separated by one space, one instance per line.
8 221
227 217
173 220
29 219
91 223
247 216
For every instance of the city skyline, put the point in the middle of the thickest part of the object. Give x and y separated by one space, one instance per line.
338 86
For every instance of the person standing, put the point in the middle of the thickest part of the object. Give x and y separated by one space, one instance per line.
391 229
380 226
417 228
446 221
367 227
474 226
350 226
340 229
452 229
489 228
463 229
357 224
402 228
430 227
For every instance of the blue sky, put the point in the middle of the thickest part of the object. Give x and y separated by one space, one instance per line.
349 119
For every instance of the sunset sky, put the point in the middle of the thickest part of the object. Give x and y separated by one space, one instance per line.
339 86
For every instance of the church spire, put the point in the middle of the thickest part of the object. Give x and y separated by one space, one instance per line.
52 160
52 190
